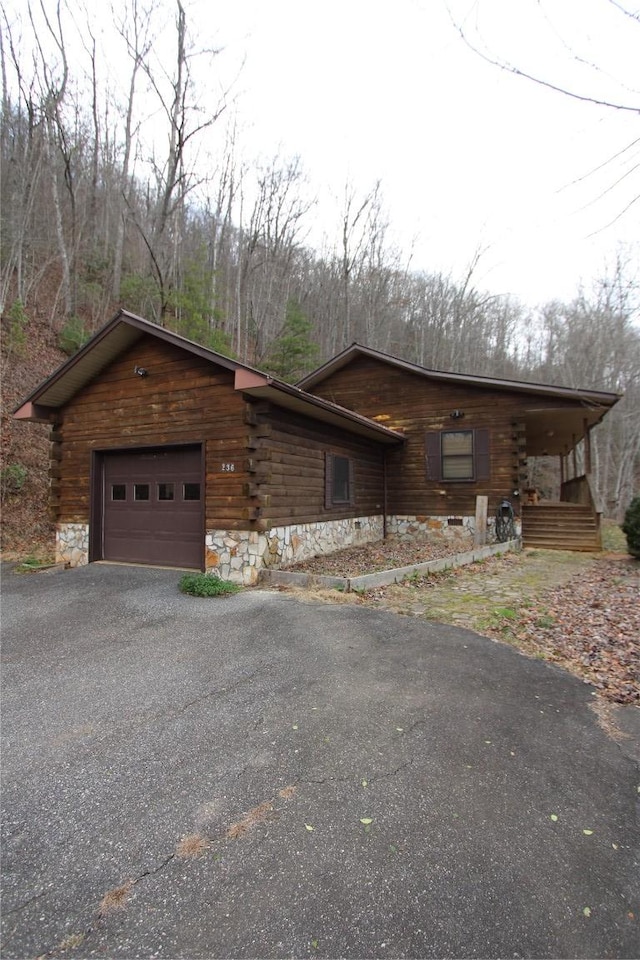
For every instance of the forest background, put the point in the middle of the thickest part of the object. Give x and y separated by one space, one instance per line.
110 199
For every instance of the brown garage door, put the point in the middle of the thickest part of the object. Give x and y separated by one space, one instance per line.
153 507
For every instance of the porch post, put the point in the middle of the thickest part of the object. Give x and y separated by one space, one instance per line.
587 448
575 456
562 470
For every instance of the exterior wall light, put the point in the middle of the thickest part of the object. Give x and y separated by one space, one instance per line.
457 415
141 371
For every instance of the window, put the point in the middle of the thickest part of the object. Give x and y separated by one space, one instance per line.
165 491
118 491
339 486
190 491
141 491
457 455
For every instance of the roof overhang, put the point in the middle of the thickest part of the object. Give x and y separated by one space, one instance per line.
109 342
125 329
549 429
551 432
298 401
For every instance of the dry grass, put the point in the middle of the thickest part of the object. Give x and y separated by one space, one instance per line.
72 942
258 815
606 720
287 792
115 899
192 846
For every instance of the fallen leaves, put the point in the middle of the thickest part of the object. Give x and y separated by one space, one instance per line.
591 625
384 555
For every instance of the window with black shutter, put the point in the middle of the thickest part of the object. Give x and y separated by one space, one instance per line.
457 455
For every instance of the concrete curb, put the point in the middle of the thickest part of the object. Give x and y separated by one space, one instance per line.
384 577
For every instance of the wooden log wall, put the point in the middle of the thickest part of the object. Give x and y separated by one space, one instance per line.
413 405
184 399
288 465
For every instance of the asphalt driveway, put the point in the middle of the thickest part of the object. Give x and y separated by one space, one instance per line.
256 776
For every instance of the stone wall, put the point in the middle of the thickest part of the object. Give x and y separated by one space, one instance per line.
240 555
72 543
454 528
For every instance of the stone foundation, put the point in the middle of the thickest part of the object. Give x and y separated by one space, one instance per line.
240 555
453 528
72 543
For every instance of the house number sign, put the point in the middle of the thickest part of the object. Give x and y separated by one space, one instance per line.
228 467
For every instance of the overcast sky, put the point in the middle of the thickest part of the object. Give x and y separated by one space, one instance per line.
470 157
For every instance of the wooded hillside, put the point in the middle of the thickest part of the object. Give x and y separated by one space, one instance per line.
103 207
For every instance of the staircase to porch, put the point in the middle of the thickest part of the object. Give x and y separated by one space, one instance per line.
561 526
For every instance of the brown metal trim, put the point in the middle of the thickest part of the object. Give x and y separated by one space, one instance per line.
96 508
143 326
36 412
317 408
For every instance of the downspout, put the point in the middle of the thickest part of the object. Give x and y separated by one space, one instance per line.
587 447
384 494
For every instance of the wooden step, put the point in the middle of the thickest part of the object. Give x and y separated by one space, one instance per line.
560 526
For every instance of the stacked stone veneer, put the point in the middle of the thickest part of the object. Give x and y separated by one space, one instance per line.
240 555
408 527
72 543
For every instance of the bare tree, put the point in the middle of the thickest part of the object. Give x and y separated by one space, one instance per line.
175 173
472 37
134 26
53 86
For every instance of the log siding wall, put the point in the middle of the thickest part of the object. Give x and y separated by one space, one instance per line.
415 405
183 400
290 465
263 465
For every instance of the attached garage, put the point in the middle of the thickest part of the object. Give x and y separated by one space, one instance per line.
166 453
150 504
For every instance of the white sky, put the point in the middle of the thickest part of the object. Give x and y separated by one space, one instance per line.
469 156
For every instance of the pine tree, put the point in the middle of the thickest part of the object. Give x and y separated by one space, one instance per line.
293 353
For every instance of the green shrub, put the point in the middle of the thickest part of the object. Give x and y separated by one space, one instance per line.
12 479
17 328
32 564
72 336
206 585
631 527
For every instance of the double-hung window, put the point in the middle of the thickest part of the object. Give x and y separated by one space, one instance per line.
457 455
339 485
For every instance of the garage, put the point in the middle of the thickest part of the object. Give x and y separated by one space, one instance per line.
152 506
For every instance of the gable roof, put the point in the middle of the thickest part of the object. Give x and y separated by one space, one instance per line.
596 398
550 429
126 328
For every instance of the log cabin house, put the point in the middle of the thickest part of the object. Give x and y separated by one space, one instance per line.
468 436
164 452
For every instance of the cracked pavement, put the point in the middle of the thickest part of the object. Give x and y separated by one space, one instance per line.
258 776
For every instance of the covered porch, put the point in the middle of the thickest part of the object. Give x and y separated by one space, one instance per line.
568 518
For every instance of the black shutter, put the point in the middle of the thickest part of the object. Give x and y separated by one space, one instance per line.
352 485
328 480
482 457
432 455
